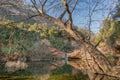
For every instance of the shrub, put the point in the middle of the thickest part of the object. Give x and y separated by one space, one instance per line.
16 40
60 44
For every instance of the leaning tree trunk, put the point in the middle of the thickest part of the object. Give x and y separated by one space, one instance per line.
101 64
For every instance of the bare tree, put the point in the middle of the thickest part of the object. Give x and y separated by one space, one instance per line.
64 19
62 15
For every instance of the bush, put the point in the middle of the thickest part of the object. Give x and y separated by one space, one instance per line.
16 40
60 44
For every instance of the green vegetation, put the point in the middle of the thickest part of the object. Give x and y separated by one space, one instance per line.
60 44
28 33
16 40
21 37
110 32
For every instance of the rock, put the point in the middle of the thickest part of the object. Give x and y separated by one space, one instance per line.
78 54
53 50
74 54
13 57
56 52
13 66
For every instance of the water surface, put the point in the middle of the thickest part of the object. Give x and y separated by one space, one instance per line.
50 70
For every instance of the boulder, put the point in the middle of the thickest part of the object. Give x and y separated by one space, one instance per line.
13 66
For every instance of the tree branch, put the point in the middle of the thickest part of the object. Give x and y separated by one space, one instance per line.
98 43
69 14
62 15
74 6
43 4
35 6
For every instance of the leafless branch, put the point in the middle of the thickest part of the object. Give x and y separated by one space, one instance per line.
74 6
91 11
69 14
62 15
43 4
35 6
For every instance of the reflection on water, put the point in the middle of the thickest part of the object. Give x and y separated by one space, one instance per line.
48 70
100 77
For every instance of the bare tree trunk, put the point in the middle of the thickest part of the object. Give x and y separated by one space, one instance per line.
101 64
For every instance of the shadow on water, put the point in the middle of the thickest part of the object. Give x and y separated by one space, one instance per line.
47 70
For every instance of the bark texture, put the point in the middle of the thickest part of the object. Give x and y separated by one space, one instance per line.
101 64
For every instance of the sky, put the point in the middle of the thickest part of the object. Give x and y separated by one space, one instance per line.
81 18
